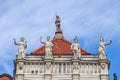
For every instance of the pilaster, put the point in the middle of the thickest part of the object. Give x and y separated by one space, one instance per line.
19 68
104 67
48 69
75 75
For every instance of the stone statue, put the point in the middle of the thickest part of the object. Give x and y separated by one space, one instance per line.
101 49
57 22
48 47
76 48
115 76
22 47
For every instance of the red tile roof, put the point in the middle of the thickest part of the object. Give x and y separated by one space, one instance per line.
5 77
61 46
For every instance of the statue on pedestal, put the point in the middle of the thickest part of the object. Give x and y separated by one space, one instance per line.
57 22
76 48
101 49
48 47
22 47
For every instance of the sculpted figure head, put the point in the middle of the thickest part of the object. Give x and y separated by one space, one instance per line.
57 17
48 38
75 39
22 39
101 39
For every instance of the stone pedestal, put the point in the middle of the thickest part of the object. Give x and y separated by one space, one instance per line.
104 77
58 35
76 77
19 77
48 77
102 55
21 56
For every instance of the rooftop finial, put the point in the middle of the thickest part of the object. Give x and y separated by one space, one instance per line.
58 33
57 22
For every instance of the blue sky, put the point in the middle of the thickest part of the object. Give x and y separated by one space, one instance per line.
88 19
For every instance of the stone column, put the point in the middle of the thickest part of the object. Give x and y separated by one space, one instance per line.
75 75
48 69
104 67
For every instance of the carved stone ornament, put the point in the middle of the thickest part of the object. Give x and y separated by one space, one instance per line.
75 65
102 66
48 65
20 65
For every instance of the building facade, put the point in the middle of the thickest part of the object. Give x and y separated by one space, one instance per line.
59 59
